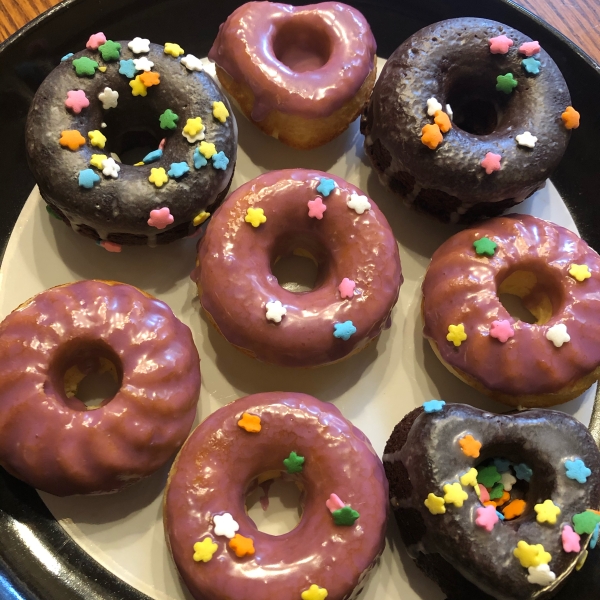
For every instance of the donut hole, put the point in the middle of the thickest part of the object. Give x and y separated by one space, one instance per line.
299 265
302 45
274 502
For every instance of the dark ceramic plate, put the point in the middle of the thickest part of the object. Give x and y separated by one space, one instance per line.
37 558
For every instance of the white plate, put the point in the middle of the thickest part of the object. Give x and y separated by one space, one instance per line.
374 389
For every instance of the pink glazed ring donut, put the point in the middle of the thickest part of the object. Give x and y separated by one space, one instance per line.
219 552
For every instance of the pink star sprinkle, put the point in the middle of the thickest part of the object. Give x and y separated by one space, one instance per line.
530 48
347 288
334 503
486 517
484 495
500 44
97 39
491 162
501 330
316 208
76 101
160 218
161 146
570 540
110 246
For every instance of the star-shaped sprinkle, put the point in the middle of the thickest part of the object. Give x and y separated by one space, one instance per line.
76 101
178 170
486 517
491 162
344 330
469 478
160 218
204 550
531 555
456 334
97 138
191 63
127 68
497 492
435 505
570 540
433 106
508 480
314 592
220 161
109 246
168 120
579 272
470 446
137 87
485 246
207 149
109 98
110 50
142 64
500 44
110 168
242 546
577 470
199 160
454 494
586 522
431 136
358 204
345 516
225 525
254 216
541 575
251 423
150 78
558 335
200 218
152 156
482 494
220 111
334 503
529 48
595 536
158 177
547 512
502 464
96 40
316 208
87 178
66 57
488 476
293 463
97 160
71 139
85 66
326 186
442 120
346 288
433 406
531 65
139 45
506 83
570 118
174 50
275 311
514 509
522 471
526 140
502 330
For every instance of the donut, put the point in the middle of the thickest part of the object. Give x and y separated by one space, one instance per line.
301 74
540 472
468 118
131 143
49 438
557 276
312 214
219 552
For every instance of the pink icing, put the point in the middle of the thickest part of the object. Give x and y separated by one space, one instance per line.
307 60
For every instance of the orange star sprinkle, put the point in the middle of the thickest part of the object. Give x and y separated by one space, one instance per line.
514 509
72 139
150 78
250 423
570 118
504 499
432 136
470 446
442 120
241 545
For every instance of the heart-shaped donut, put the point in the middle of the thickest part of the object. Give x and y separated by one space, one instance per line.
500 504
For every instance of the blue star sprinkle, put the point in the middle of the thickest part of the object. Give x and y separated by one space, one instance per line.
220 161
87 178
500 515
127 68
199 160
432 406
522 471
531 65
502 464
152 156
178 170
344 330
577 470
66 57
595 536
326 186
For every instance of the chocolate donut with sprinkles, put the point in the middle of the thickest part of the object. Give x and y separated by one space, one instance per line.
131 143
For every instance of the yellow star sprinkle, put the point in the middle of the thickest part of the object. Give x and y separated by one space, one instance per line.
97 160
204 550
200 218
207 150
250 423
139 164
193 126
137 87
547 512
314 592
456 334
531 555
454 494
435 504
580 272
173 49
470 478
220 112
97 138
158 177
255 216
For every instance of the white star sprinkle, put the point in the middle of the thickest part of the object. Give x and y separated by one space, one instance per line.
108 98
508 481
541 575
110 168
526 139
194 138
138 45
449 111
142 64
275 311
358 203
558 335
191 63
225 525
433 106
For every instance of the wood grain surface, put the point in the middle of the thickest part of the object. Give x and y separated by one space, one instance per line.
579 20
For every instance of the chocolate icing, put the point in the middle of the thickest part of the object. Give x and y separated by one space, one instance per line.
451 61
235 280
117 210
219 462
55 443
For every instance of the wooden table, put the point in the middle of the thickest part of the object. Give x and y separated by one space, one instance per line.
577 19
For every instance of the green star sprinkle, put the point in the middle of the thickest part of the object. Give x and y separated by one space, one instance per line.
497 491
110 50
345 516
293 463
168 120
485 246
506 83
586 522
488 476
85 66
51 212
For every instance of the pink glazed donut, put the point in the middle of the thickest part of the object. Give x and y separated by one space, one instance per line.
314 214
219 552
49 438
